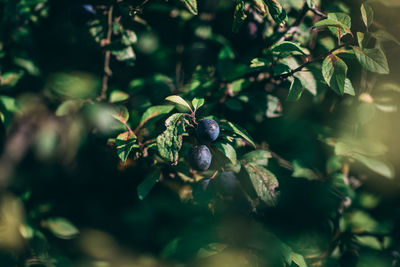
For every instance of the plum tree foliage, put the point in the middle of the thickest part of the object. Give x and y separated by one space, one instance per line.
217 113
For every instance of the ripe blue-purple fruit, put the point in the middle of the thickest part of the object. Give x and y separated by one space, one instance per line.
227 184
200 157
207 130
83 14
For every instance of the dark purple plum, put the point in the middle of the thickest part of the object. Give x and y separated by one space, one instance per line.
227 183
207 130
200 157
83 14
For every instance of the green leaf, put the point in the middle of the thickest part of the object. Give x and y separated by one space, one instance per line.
211 249
10 79
148 183
264 183
363 39
259 157
125 55
332 23
125 142
373 59
69 106
382 36
238 85
298 259
311 3
178 100
286 252
369 241
261 7
307 78
345 20
367 14
228 151
128 37
274 109
74 84
288 47
233 128
280 69
350 146
61 227
301 172
334 71
191 5
276 10
155 112
259 62
390 87
348 87
118 96
197 102
8 107
239 16
169 142
375 165
8 103
295 90
120 113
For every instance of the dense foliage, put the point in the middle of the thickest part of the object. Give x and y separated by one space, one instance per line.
199 133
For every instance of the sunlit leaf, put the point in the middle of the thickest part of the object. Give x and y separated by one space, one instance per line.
233 128
334 71
191 5
367 14
310 3
178 100
378 166
333 23
264 183
227 150
372 59
239 16
125 142
276 10
69 106
197 102
295 90
259 157
298 259
169 142
288 47
301 172
118 96
120 113
61 228
155 112
348 87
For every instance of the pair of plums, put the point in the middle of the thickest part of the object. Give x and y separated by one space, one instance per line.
200 156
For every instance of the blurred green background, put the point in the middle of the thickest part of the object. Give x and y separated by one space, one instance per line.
67 200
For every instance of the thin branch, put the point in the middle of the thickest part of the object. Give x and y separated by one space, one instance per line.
107 71
292 28
308 62
318 13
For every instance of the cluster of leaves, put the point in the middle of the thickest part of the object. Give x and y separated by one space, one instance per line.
297 53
